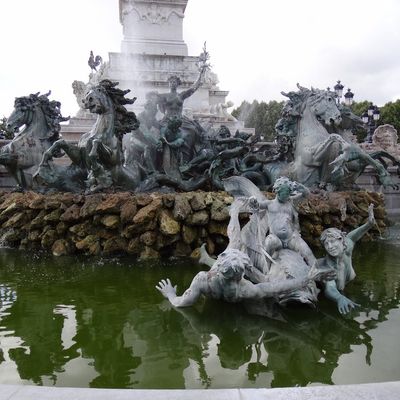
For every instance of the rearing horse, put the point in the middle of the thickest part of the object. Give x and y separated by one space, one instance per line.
98 155
315 148
41 120
322 158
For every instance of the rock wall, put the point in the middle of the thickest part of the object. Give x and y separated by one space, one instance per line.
156 225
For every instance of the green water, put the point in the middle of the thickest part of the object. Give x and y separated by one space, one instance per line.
100 323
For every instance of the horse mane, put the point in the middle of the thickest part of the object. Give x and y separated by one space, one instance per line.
125 120
50 108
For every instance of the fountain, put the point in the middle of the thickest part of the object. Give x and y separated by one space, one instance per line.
150 190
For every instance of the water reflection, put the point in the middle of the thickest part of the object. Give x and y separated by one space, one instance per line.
80 322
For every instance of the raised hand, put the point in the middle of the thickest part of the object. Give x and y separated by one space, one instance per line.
253 204
166 288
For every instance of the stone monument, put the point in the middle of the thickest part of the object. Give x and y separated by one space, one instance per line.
153 50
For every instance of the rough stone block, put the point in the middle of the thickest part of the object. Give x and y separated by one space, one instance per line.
198 218
168 226
182 208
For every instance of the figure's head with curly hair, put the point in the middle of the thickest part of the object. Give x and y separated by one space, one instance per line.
283 187
333 241
174 82
232 263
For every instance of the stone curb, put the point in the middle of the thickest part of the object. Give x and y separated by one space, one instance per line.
370 391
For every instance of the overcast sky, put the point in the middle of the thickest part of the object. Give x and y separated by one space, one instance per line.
258 47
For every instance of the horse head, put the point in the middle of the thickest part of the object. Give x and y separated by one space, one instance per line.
23 112
323 104
40 116
96 100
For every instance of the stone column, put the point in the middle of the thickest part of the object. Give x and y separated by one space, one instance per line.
153 27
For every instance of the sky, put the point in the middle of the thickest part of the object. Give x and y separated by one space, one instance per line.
258 48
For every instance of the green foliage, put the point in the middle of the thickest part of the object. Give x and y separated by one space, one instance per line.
260 116
263 116
242 112
360 107
390 114
4 132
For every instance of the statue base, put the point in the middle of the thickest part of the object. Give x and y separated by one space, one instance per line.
157 225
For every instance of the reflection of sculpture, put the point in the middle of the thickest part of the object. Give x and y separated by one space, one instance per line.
119 345
339 247
99 152
41 120
225 281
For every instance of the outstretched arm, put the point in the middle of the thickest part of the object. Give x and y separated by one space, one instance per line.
187 93
344 304
190 296
359 232
271 289
256 205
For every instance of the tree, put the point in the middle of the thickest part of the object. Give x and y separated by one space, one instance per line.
260 116
5 133
242 112
271 117
390 114
359 108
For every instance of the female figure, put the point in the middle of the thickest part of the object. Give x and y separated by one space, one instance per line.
171 105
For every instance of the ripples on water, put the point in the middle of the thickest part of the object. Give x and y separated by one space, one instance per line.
101 323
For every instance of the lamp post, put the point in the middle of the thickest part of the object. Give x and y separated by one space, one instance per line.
348 97
370 118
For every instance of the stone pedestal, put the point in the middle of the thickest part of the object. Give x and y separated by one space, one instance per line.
153 50
72 131
368 181
143 73
153 27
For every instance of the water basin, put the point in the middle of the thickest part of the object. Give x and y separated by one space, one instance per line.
87 322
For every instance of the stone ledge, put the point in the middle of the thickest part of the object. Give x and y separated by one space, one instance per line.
376 391
158 225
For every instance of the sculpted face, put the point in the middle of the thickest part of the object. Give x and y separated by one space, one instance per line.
283 193
234 273
174 82
93 103
16 119
232 264
334 246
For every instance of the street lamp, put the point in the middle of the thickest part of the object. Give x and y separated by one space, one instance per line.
370 118
338 88
348 97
